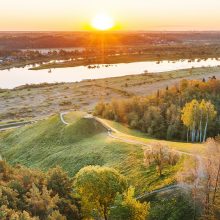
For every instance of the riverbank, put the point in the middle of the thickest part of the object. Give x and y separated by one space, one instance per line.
119 54
118 60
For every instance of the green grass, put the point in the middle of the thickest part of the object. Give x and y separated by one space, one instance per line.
125 129
85 142
131 134
72 117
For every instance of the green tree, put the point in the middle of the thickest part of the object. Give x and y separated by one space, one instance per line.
59 182
173 207
127 207
98 187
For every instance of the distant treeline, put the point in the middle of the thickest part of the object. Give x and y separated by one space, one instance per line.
23 40
159 115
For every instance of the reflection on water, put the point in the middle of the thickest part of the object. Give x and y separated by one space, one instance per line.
20 76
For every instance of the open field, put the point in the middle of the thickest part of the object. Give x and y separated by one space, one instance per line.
36 101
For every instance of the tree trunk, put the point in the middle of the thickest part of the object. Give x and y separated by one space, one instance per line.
216 183
197 136
187 135
200 129
193 135
160 170
105 213
205 130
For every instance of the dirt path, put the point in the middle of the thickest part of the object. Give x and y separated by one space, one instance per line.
62 118
14 125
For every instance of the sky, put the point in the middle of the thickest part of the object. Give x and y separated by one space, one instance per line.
140 15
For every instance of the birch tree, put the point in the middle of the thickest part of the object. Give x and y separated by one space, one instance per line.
196 117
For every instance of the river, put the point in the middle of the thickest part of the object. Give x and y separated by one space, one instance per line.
20 76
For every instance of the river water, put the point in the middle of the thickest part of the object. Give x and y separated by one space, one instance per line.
20 76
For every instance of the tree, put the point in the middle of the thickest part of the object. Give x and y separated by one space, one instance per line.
160 156
55 215
98 187
196 116
202 176
42 203
6 214
177 206
153 122
59 182
213 150
127 207
210 114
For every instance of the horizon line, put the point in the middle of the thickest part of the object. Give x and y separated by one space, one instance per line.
72 31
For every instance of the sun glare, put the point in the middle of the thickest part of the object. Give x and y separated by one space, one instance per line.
102 22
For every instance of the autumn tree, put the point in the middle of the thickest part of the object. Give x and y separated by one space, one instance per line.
196 117
202 177
98 187
10 214
41 204
160 156
212 178
160 115
61 184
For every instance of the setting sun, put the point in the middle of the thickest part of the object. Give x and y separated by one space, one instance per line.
102 22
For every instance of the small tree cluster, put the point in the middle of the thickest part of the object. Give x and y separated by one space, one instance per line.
196 117
160 156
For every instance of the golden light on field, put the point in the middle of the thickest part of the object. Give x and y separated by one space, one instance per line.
102 22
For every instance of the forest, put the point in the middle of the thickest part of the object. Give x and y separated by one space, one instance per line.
188 111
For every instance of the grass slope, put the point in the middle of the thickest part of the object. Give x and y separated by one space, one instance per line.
125 132
84 142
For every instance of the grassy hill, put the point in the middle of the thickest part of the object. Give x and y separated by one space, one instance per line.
83 142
